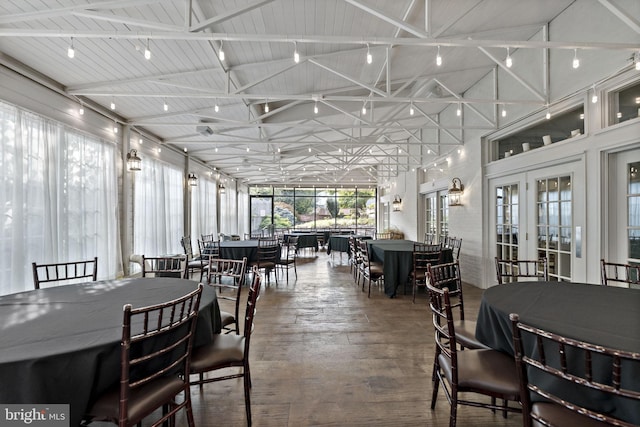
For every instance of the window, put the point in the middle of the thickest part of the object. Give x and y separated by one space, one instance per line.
158 219
319 208
58 191
625 104
436 209
554 224
560 127
507 221
203 208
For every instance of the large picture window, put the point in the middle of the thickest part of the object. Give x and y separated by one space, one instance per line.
315 208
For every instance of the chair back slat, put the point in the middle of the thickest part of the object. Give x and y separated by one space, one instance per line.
617 274
67 272
573 361
156 343
513 270
164 266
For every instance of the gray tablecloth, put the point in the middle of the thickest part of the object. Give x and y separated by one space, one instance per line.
62 344
603 315
305 240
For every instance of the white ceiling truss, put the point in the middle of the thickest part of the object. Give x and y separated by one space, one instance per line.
403 90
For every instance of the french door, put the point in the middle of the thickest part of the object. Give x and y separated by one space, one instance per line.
624 209
537 214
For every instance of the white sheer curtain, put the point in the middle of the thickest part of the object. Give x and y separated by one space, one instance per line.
228 210
158 218
203 209
243 210
59 198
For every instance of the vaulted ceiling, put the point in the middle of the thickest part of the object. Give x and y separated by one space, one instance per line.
258 114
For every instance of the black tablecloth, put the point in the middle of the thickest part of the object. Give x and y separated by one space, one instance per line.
396 257
340 242
305 240
603 315
62 344
237 249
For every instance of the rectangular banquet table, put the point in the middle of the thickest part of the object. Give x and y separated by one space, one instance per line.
62 344
396 257
604 315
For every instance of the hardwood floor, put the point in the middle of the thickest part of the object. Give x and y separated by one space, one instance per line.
323 354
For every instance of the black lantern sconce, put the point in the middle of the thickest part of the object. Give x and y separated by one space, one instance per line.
455 192
133 161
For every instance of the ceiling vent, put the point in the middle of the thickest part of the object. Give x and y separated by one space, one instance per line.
204 130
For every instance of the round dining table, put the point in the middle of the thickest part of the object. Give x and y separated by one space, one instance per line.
238 249
603 315
61 345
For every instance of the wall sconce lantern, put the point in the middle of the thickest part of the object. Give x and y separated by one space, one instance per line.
397 203
455 192
221 188
192 179
133 161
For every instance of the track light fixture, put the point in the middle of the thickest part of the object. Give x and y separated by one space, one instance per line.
147 51
369 56
221 52
508 61
438 58
576 61
71 52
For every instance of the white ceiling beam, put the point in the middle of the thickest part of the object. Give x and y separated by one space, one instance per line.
266 77
454 19
389 19
519 79
321 39
62 11
470 106
228 15
289 97
346 113
348 78
94 85
126 20
625 17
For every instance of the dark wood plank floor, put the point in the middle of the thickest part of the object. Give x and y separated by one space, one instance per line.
323 354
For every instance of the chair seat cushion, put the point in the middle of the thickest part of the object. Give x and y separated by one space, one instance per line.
223 350
559 415
466 334
196 263
141 401
227 318
488 370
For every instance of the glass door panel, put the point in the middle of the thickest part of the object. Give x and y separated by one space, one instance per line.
261 211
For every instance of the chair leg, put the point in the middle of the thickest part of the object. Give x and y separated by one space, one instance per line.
436 384
454 408
247 396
